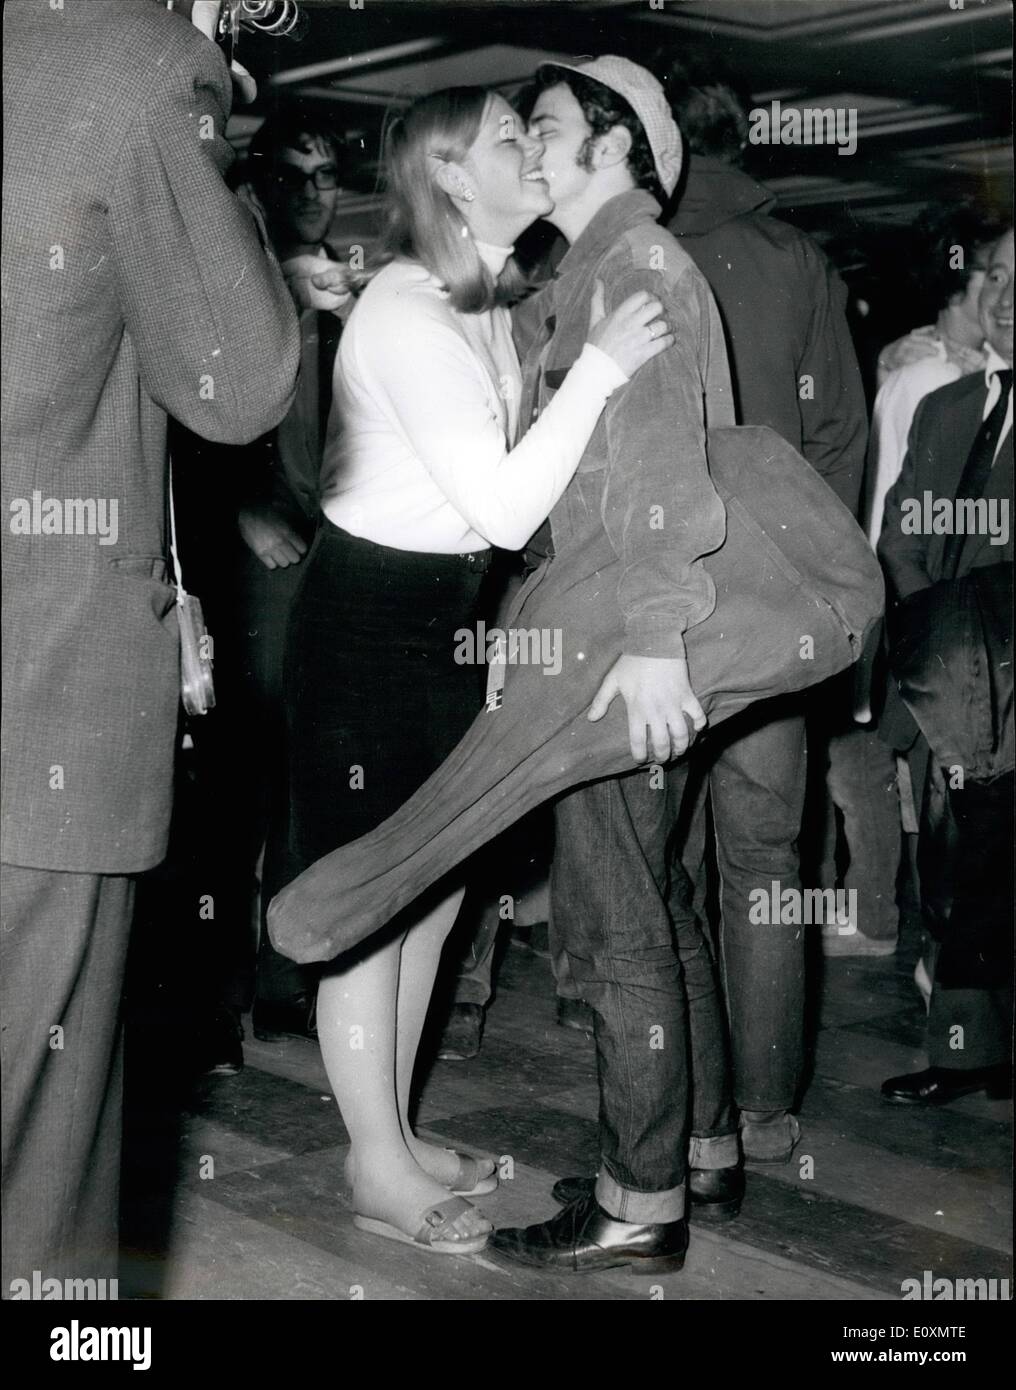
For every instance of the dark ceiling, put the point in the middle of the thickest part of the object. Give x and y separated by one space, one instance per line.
930 80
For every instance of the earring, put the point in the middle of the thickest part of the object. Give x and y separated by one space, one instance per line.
465 193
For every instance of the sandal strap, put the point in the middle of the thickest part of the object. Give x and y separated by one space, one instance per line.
439 1215
471 1170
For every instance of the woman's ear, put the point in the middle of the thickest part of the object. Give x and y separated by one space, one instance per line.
452 179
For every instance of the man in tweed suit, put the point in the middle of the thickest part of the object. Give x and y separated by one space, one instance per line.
134 287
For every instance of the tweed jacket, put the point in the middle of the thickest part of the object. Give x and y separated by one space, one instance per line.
134 287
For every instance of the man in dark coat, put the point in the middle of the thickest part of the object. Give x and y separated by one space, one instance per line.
793 368
135 287
960 451
244 539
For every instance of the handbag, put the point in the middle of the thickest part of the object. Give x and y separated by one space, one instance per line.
197 689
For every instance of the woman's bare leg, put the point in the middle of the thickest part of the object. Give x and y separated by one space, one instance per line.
357 1022
421 957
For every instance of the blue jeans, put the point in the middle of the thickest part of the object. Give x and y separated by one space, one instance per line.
620 904
754 772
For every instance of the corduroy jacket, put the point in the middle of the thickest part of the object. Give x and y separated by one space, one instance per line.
643 479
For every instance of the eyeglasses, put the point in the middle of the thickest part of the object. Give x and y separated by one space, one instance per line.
293 180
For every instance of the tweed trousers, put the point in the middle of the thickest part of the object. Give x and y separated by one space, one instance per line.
63 951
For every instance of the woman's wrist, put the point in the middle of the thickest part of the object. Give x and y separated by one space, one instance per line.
603 368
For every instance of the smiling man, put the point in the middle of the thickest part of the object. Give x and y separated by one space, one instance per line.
611 154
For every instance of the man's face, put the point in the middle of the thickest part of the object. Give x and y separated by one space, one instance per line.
300 212
968 302
558 121
995 304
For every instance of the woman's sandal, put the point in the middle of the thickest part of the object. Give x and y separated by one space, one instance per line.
469 1181
430 1223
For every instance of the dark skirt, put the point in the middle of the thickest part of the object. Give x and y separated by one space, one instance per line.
374 697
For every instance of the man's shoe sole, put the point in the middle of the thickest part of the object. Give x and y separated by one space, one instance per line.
637 1264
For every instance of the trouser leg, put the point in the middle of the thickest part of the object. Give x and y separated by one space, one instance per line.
713 1141
476 935
757 784
608 889
64 946
970 1027
862 780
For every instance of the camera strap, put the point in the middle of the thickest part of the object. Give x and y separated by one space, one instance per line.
181 593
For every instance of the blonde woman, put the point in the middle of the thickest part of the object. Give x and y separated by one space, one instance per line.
422 475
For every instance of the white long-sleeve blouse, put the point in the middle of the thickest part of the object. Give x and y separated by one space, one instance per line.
419 453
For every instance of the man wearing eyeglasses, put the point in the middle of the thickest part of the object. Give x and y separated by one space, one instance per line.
294 166
258 536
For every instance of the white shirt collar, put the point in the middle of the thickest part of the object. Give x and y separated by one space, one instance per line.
993 364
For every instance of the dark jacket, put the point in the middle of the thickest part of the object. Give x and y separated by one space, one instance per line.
784 312
951 662
944 428
134 287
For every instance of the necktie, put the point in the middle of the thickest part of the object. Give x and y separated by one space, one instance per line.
977 469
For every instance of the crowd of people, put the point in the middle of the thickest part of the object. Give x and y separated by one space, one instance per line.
370 459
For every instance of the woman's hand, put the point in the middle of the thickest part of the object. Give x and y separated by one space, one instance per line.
633 333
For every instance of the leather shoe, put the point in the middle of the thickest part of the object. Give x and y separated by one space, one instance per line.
583 1238
939 1085
220 1043
462 1034
716 1193
272 1020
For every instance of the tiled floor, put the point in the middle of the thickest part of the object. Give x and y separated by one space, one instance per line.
236 1188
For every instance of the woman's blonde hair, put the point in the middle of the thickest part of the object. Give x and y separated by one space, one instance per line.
421 220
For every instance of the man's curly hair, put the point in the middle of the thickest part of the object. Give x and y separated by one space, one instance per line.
603 109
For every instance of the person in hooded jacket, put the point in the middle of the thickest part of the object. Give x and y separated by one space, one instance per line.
794 369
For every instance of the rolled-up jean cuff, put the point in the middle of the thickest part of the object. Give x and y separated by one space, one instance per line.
719 1152
641 1208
